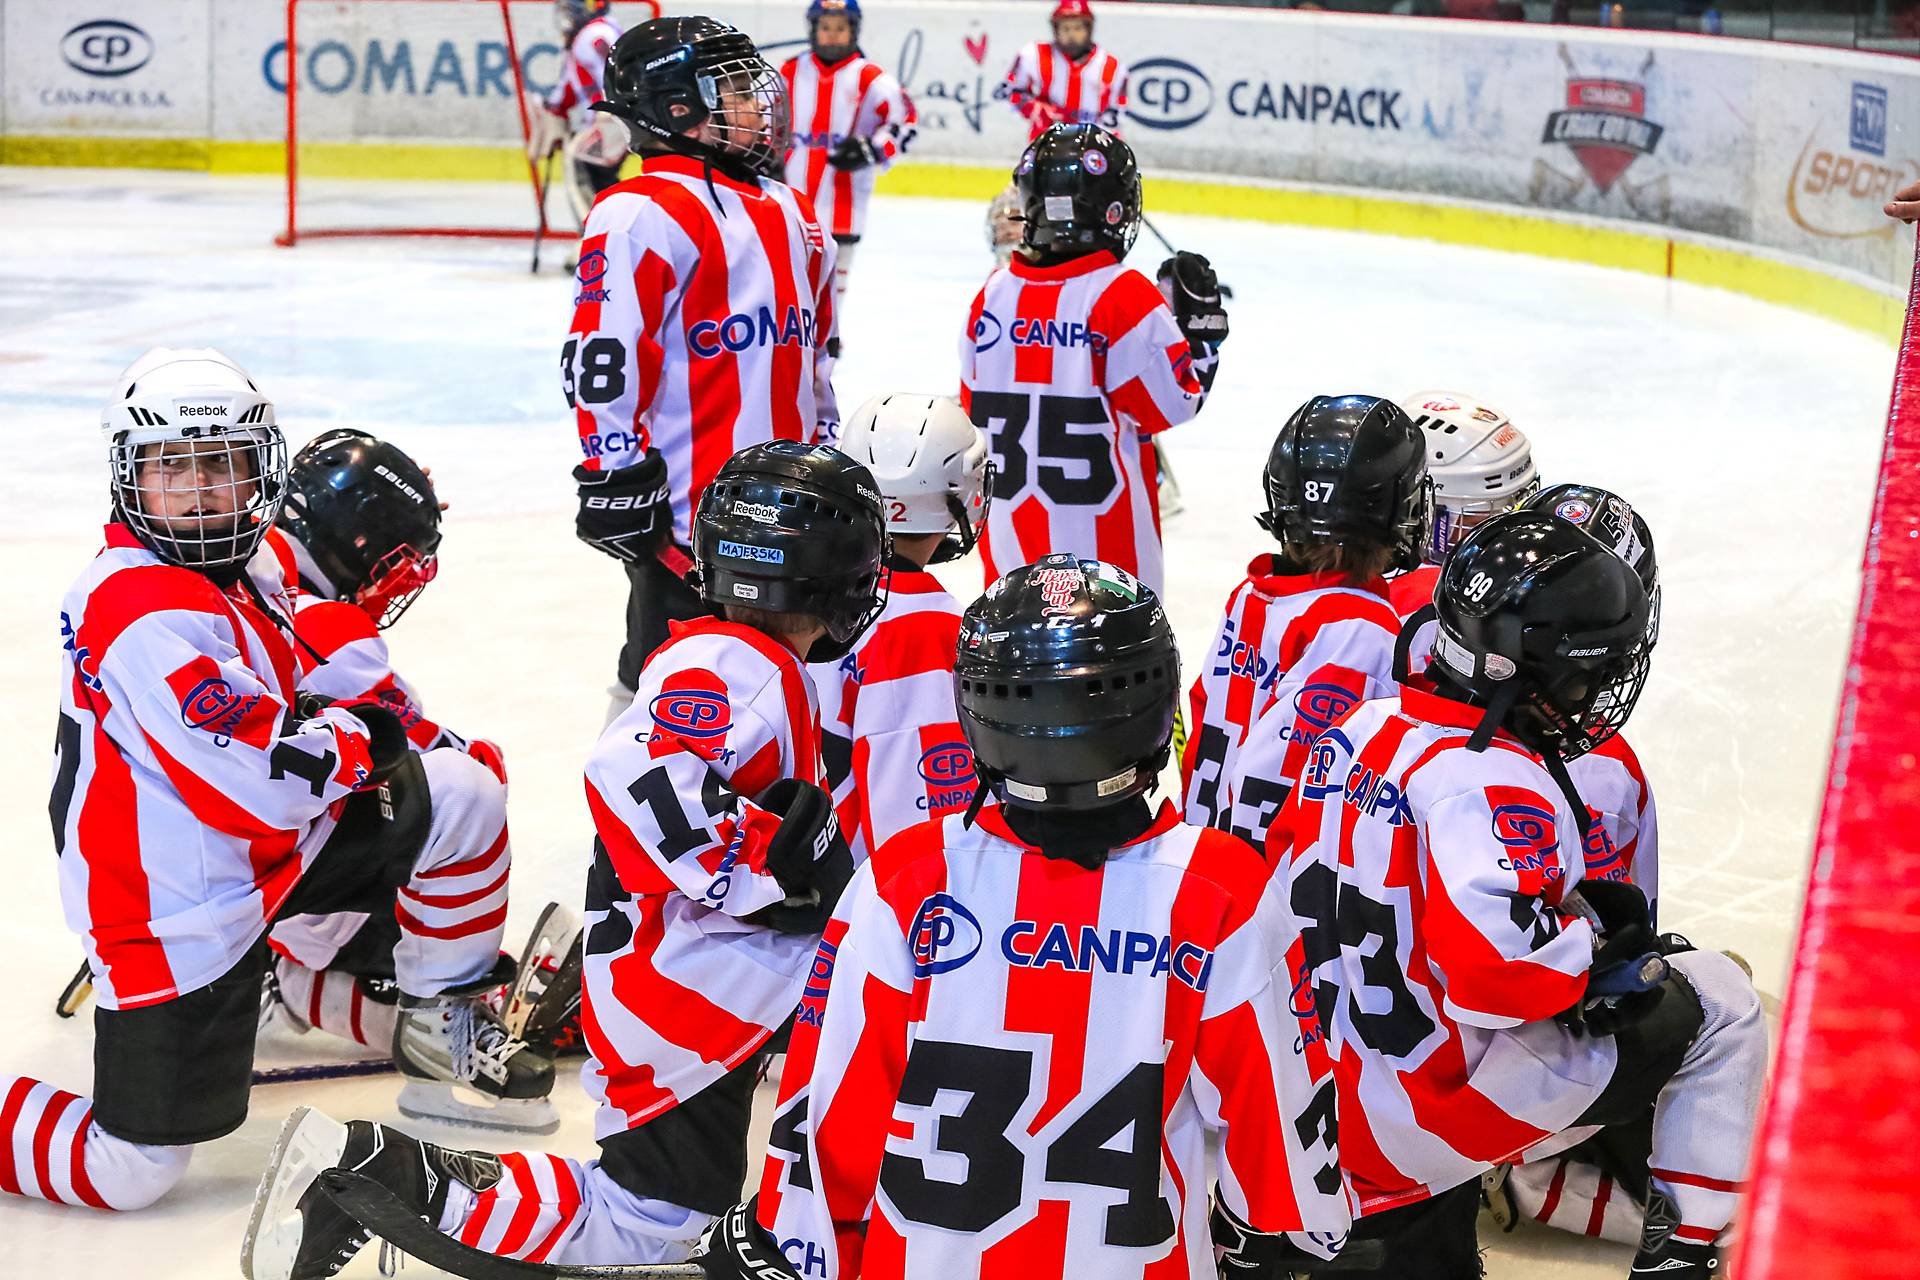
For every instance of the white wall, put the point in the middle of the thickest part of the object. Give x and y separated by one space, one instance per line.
1788 147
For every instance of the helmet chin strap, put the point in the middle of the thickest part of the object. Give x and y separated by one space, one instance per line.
1557 770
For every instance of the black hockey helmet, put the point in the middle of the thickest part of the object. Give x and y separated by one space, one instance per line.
1546 628
1346 467
367 515
1607 516
701 88
1066 678
1079 191
795 528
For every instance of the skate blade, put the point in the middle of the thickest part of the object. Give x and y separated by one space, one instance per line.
433 1100
310 1141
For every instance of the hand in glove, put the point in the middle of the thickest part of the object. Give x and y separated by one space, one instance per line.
808 855
853 153
1191 288
626 513
1626 979
386 736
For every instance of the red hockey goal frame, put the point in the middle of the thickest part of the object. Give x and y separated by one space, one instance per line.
1837 1162
291 234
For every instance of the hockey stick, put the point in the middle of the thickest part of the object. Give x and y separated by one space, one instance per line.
1225 292
540 231
380 1211
323 1071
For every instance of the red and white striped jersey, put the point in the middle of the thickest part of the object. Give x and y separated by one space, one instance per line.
1068 368
888 725
1413 590
853 98
1624 843
1426 881
702 313
1048 89
1294 653
583 70
183 789
679 985
1010 1064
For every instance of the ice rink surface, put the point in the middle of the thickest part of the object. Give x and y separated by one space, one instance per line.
1747 434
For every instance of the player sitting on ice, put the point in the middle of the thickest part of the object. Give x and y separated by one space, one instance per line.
851 121
892 745
1481 465
595 145
1068 80
356 543
717 865
194 803
1047 1032
1070 360
1309 633
703 321
1482 994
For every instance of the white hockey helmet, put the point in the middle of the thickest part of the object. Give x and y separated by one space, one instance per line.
228 471
930 462
1480 463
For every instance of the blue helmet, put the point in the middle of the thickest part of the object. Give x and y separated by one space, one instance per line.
850 10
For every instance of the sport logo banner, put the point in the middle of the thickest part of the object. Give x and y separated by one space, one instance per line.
1605 125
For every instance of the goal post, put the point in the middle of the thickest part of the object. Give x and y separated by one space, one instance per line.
411 91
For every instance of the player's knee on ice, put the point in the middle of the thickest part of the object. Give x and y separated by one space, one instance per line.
131 1175
469 802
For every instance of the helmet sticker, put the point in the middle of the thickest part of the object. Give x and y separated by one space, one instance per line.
1118 782
1115 213
746 590
1095 161
758 512
1574 511
1025 792
745 551
1499 666
1059 208
1026 163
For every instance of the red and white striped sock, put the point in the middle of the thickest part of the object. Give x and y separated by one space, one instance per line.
453 912
334 1002
50 1149
1577 1197
529 1214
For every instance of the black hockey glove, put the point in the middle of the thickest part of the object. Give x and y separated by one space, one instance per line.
1626 979
808 855
626 513
386 736
1191 288
853 154
1242 1253
739 1248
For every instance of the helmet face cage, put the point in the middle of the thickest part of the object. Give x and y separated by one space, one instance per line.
969 518
1589 707
241 476
749 115
1454 518
395 583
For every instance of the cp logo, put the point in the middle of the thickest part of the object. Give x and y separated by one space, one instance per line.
944 936
1319 705
694 712
947 765
986 331
593 266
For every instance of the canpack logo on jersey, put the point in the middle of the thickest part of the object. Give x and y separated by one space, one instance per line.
1166 93
1026 945
987 331
944 936
212 705
590 272
1529 833
695 713
106 47
948 772
813 996
1602 858
1836 188
740 331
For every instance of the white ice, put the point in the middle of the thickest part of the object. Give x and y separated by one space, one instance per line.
1747 433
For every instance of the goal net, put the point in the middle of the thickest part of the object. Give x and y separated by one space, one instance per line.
429 97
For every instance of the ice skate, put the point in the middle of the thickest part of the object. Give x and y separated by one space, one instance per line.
296 1234
461 1065
542 1007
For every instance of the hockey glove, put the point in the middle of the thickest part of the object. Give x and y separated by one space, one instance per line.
1242 1253
626 513
386 736
808 855
1626 979
739 1248
1188 283
853 154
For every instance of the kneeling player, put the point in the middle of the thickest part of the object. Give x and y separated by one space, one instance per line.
1310 632
892 745
1071 360
1053 1030
1478 1002
717 865
192 806
356 543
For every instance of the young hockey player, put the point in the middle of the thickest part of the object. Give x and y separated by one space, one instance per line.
356 543
1481 994
1068 80
1309 633
703 320
893 747
717 865
1045 1035
194 802
1481 465
1070 361
595 145
851 120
